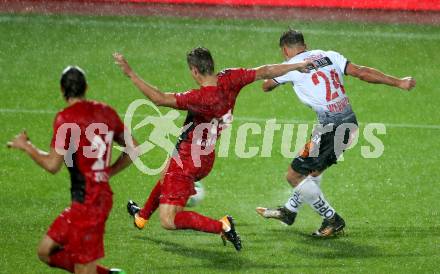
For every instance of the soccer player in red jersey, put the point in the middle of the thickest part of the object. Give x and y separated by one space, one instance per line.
82 138
209 108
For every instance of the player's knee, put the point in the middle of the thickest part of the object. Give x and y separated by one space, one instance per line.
43 254
290 179
167 222
293 179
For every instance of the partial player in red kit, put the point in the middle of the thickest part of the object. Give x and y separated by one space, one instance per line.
82 139
209 108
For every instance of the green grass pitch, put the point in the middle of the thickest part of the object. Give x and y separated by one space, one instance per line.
391 204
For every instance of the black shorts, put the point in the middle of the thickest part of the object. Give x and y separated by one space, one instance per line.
326 144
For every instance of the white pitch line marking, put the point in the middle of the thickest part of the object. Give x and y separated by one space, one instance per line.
236 118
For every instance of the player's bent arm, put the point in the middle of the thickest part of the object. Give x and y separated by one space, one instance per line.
272 71
372 75
155 95
51 161
269 84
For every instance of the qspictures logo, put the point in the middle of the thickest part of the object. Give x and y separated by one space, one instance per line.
204 138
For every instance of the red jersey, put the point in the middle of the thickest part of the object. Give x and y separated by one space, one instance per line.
84 133
212 104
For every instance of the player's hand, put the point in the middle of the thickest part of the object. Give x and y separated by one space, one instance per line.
19 142
306 66
122 63
407 83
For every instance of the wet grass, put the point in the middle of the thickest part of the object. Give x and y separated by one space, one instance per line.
390 203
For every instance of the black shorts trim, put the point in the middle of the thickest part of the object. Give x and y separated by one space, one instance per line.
346 65
322 152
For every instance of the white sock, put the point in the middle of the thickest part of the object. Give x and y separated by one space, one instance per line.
311 193
295 201
316 179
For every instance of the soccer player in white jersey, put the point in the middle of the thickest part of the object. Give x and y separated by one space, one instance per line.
323 90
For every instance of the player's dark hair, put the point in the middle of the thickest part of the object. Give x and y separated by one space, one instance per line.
201 59
291 38
73 82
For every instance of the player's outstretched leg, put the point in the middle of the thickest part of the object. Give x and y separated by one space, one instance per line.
281 213
330 227
311 193
152 203
174 217
133 209
229 233
287 213
225 226
141 215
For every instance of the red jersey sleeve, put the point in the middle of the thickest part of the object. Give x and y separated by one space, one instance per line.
240 77
191 100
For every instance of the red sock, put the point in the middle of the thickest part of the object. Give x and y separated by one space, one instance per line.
61 259
102 269
152 203
193 220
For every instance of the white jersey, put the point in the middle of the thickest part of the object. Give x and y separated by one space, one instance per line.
321 89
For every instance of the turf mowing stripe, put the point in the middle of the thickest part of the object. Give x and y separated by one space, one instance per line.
212 27
240 118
